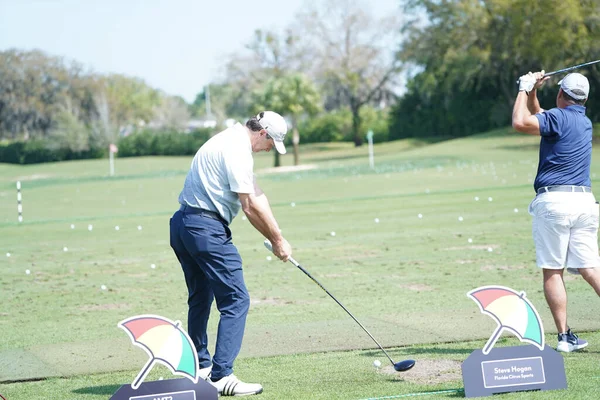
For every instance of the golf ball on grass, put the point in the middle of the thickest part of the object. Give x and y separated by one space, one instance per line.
117 228
269 258
152 266
376 220
139 227
332 233
460 218
65 249
377 364
420 215
103 287
7 254
27 271
72 226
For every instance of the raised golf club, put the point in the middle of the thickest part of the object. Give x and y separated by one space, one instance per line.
568 68
400 366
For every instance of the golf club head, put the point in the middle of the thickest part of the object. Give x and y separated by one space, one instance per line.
405 365
268 245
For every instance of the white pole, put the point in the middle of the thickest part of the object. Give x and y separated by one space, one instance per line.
111 160
371 156
19 205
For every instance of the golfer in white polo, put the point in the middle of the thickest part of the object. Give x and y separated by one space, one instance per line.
564 210
219 183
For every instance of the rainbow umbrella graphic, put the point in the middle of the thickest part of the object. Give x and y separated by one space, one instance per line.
165 342
512 311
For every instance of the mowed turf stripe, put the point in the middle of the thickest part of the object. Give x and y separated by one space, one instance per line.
279 204
23 365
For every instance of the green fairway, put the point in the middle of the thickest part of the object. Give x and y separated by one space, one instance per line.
399 246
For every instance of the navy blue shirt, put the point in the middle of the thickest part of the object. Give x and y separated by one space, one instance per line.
565 147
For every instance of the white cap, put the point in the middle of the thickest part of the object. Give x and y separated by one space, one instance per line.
575 85
275 126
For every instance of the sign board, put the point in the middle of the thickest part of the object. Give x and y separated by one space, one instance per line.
173 389
511 369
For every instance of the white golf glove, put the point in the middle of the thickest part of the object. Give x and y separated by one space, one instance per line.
526 82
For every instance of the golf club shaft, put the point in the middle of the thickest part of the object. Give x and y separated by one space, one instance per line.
568 69
341 305
571 68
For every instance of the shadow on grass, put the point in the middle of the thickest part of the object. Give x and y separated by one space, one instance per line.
103 390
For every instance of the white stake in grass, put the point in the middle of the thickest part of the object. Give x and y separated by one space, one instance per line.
19 205
371 156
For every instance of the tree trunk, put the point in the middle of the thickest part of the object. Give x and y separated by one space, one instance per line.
296 141
358 140
277 162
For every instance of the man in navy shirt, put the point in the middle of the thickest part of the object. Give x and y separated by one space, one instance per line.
564 210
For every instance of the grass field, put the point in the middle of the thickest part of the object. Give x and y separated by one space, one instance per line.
404 277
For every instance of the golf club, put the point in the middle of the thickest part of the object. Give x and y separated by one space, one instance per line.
569 68
401 366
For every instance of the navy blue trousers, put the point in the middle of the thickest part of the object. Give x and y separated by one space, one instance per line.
213 270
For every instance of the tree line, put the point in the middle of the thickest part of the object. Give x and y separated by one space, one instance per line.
434 68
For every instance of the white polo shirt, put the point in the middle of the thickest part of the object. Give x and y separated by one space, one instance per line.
222 168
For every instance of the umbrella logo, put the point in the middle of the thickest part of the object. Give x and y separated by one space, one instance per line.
512 311
165 342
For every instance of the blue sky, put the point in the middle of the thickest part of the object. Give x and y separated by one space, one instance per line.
174 45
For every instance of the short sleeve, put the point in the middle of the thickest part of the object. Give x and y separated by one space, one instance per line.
550 121
240 171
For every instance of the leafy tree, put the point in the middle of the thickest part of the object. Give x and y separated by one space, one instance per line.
293 95
352 54
471 52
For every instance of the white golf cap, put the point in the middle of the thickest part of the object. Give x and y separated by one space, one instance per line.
275 126
575 85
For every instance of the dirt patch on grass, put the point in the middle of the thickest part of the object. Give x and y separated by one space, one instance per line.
428 372
502 267
32 177
104 307
417 287
268 301
291 168
477 247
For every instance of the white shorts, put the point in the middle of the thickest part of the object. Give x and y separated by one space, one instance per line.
565 230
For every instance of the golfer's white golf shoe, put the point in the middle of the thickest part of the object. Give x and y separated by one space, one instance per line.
204 373
232 386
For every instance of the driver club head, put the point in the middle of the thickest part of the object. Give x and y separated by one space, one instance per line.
404 365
